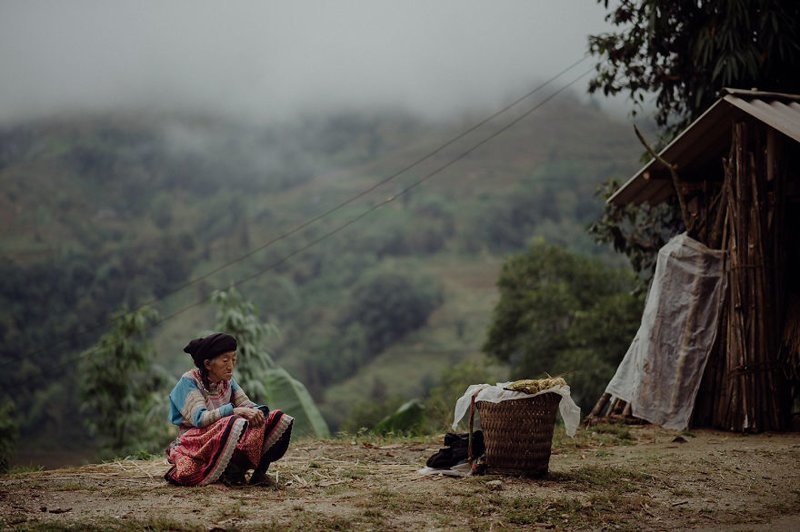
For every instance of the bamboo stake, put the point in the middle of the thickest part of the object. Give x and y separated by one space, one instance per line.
601 403
740 418
758 353
687 219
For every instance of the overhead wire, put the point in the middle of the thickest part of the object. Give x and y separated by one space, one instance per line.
363 214
369 189
383 203
326 213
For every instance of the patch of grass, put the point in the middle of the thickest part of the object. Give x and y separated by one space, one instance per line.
390 438
142 454
336 489
526 511
315 521
604 502
232 511
596 436
375 516
24 469
164 523
481 507
124 491
69 486
523 510
620 479
99 525
355 473
390 500
621 432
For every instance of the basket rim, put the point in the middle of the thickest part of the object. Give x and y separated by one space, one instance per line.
530 398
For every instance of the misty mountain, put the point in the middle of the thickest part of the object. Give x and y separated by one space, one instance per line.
123 209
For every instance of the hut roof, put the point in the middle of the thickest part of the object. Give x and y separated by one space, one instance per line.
697 150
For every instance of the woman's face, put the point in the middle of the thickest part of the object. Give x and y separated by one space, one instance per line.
221 366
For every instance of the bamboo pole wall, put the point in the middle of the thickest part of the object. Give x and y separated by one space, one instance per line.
750 392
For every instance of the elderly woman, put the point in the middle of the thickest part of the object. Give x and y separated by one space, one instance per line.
221 433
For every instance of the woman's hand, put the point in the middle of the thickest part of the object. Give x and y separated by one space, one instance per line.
254 416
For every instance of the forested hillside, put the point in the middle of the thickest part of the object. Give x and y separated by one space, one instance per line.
122 210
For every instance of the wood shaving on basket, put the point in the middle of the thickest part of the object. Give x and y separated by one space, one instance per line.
532 386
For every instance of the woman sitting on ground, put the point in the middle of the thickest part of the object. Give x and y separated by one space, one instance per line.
221 433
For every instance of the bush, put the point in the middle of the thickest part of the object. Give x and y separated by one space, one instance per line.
122 389
560 312
389 305
8 434
441 401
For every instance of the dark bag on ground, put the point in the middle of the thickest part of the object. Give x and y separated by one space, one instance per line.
456 450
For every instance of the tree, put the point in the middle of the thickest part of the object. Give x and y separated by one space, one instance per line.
389 305
562 313
122 389
8 433
637 231
686 52
264 381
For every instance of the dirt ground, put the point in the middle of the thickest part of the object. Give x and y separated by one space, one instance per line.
608 477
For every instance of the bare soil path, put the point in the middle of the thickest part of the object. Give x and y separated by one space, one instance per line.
608 477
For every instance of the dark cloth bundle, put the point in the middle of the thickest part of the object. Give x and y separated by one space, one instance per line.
208 347
456 450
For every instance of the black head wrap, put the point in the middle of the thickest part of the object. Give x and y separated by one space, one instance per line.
206 348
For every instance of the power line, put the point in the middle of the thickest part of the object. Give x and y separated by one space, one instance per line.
380 204
327 212
369 189
362 215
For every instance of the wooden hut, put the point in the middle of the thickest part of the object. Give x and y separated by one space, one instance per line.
736 171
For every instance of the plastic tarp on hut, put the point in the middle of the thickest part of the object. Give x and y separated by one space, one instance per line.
662 370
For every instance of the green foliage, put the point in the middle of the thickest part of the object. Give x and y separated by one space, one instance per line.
638 231
560 312
441 401
365 415
408 419
586 372
264 381
389 305
287 394
8 434
240 319
333 354
122 389
548 202
686 52
141 203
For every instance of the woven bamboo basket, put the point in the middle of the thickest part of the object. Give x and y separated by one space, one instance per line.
518 434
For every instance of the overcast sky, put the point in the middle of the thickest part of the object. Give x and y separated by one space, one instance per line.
269 59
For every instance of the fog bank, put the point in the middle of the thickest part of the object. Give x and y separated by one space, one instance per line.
273 60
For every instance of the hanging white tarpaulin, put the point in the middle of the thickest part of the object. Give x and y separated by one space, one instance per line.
662 370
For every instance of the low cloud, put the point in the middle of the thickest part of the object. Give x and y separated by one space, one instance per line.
266 61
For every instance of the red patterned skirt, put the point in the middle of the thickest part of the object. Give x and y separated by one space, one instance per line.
200 455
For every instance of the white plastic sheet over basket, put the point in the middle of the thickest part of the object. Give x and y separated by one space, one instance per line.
663 367
570 412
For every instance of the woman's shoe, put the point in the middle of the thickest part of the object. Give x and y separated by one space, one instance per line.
260 479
